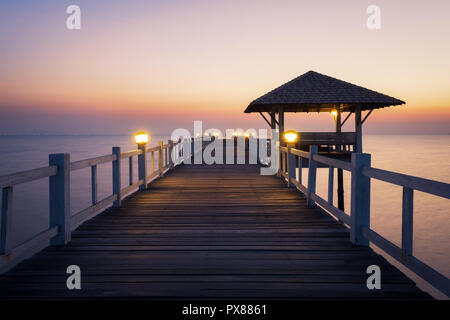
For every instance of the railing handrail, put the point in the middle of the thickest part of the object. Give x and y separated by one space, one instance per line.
433 187
152 149
16 178
61 222
130 153
359 220
86 163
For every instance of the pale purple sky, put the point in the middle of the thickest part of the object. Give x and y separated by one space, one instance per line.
159 65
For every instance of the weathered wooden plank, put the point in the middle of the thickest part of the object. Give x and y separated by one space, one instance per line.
210 231
218 290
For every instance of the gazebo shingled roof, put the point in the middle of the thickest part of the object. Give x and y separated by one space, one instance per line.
313 91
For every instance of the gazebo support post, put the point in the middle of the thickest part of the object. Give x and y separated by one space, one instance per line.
281 124
358 130
273 123
340 173
280 137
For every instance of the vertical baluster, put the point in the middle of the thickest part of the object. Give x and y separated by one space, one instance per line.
170 153
160 159
130 169
94 184
330 184
116 176
165 160
176 153
407 220
193 142
311 175
153 161
291 164
6 219
142 167
300 168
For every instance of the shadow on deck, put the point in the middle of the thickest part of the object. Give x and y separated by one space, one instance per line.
219 231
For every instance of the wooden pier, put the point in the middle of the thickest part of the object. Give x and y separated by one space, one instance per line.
208 231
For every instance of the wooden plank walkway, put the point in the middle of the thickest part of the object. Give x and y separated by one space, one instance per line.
219 231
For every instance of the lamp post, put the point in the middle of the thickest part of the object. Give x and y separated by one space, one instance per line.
290 137
141 139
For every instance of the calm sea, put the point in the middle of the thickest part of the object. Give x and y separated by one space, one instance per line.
423 156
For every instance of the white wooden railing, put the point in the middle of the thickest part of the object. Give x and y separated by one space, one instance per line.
62 223
359 218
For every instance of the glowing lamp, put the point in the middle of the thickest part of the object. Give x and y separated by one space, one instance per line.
141 138
290 136
334 113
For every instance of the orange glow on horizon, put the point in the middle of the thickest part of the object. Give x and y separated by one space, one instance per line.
148 70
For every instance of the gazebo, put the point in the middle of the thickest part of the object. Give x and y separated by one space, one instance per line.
315 92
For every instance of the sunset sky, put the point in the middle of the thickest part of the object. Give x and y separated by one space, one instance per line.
160 65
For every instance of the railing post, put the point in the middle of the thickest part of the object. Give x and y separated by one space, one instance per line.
291 163
360 201
300 169
6 219
407 221
130 170
153 161
94 184
142 166
59 198
116 176
160 159
192 146
283 164
330 184
312 171
171 155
